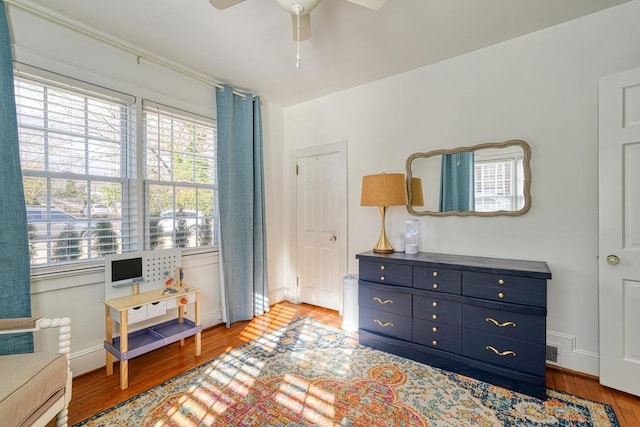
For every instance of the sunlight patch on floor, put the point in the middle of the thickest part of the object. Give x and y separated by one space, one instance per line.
228 381
278 316
301 397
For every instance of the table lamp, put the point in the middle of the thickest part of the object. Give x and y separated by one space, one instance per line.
383 190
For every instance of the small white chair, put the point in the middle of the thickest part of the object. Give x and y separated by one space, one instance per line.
36 387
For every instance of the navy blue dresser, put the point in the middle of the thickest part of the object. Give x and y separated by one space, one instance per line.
480 317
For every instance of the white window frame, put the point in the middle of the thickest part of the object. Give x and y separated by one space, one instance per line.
121 230
175 225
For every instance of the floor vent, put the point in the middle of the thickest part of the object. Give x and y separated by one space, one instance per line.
552 353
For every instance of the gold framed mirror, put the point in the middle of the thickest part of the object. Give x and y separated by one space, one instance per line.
488 179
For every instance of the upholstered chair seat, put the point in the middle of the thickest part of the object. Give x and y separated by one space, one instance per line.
35 387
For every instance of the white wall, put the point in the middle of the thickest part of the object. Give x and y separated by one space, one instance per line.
80 294
541 88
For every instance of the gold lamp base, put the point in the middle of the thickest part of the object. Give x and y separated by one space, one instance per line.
383 246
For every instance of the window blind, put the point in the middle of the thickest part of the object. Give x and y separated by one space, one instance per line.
179 178
77 150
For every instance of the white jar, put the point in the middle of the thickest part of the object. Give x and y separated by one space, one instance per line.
411 237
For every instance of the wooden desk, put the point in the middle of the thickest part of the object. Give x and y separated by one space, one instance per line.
147 305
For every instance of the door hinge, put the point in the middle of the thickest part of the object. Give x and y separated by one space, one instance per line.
297 281
296 169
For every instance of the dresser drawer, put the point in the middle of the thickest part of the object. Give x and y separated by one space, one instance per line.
437 309
437 335
437 279
381 322
388 301
504 288
388 273
526 327
508 352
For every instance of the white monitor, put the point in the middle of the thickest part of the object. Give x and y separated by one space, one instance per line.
124 269
149 270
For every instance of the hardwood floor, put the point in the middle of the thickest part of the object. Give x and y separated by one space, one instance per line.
95 391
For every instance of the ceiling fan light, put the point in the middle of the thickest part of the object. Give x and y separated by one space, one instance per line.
307 5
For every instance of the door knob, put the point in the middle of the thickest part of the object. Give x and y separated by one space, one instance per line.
613 259
333 238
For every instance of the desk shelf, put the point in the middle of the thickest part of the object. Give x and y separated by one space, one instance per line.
153 337
132 344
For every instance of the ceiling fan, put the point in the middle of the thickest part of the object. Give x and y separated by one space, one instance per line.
300 12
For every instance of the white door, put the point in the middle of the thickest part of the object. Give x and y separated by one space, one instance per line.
321 226
619 247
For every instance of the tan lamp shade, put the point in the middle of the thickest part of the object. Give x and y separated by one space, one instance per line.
417 199
382 190
385 189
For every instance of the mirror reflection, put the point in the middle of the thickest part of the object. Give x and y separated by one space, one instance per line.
485 180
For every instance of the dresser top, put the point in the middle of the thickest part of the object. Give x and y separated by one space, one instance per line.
535 269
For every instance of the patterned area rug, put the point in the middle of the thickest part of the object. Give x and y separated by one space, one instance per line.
309 373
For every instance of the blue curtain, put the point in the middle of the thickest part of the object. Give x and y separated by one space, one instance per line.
241 205
15 286
456 182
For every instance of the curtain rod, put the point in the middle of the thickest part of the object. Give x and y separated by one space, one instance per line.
138 54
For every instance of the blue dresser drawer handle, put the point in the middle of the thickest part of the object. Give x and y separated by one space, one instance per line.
500 353
501 325
383 324
387 301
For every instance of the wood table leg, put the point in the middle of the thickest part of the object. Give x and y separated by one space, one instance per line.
124 347
109 338
198 323
181 310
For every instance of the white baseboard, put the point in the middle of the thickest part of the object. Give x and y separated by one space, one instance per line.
571 357
92 358
87 360
278 295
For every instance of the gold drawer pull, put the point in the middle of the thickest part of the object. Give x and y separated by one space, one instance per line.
434 342
387 301
383 324
435 286
434 317
502 325
434 304
503 353
382 267
434 329
500 295
500 281
382 278
435 274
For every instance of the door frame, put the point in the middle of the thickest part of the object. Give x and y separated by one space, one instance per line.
339 148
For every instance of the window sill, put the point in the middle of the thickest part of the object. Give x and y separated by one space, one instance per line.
71 275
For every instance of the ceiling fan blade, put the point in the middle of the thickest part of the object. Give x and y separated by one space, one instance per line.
223 4
305 27
371 4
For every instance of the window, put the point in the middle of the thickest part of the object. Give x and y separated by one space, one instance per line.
499 183
180 176
78 162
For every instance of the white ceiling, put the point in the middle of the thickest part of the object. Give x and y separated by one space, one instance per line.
250 45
